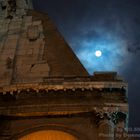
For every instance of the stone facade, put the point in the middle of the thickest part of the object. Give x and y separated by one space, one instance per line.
84 107
43 86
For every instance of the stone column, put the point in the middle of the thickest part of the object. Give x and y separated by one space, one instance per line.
121 127
105 126
110 123
105 130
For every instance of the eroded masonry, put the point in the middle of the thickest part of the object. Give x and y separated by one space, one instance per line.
45 92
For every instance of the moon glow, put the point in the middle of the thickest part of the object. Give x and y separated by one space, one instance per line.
98 53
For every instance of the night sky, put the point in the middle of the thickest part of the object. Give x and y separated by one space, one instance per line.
112 26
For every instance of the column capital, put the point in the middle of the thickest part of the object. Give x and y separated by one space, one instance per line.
109 113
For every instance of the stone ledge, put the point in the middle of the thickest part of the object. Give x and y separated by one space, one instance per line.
73 85
59 109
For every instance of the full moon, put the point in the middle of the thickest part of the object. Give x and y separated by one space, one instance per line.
98 53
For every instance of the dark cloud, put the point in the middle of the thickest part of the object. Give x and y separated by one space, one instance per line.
106 21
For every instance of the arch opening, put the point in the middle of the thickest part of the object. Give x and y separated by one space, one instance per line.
48 135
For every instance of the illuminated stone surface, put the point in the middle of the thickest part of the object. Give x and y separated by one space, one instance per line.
44 87
48 135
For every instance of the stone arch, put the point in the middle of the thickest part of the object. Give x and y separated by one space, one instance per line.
72 132
49 135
